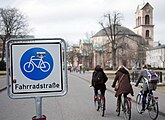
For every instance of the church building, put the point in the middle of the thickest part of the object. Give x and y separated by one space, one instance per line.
132 45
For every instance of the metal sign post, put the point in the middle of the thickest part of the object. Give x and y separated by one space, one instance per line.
39 116
38 101
36 68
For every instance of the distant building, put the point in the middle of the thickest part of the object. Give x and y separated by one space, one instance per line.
73 55
86 52
156 56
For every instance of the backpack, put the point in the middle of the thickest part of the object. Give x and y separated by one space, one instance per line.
97 78
153 80
153 77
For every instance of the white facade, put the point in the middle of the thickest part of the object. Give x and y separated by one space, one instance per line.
156 57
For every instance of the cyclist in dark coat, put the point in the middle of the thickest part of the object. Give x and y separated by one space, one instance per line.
101 86
123 77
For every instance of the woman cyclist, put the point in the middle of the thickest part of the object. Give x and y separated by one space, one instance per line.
123 78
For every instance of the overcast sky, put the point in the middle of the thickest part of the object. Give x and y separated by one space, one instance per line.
72 19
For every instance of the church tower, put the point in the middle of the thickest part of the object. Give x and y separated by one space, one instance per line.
144 22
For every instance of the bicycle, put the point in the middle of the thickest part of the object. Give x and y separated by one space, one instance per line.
42 65
99 103
151 104
126 106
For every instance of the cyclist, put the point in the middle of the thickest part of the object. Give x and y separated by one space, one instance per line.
143 74
123 79
100 84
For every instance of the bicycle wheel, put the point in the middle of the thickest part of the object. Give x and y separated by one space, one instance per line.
45 66
28 67
102 106
139 103
153 109
97 104
127 110
118 112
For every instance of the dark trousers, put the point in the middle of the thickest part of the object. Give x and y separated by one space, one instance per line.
101 90
119 97
144 98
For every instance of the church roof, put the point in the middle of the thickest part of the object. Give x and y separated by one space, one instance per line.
85 41
120 29
142 6
147 4
158 47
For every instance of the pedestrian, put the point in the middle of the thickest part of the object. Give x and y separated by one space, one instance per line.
124 87
80 69
98 81
84 69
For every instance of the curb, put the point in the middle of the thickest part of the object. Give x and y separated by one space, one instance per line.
2 89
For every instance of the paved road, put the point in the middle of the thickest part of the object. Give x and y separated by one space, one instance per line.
161 96
76 105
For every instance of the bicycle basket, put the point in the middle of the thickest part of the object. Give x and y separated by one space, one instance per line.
152 86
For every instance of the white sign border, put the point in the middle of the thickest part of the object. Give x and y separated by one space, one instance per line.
64 77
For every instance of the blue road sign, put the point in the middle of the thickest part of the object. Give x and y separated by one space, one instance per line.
36 64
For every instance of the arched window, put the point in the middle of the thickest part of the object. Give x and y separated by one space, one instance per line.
136 22
147 33
139 21
147 20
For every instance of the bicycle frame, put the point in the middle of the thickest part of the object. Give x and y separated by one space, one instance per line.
126 105
151 104
40 64
99 102
130 102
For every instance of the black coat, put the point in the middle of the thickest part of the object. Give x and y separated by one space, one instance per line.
104 78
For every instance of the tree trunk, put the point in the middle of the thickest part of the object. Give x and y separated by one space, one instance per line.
113 58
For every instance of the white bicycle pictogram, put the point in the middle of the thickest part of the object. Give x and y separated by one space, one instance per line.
42 65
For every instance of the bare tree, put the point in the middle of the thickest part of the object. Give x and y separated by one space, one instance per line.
12 24
110 26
